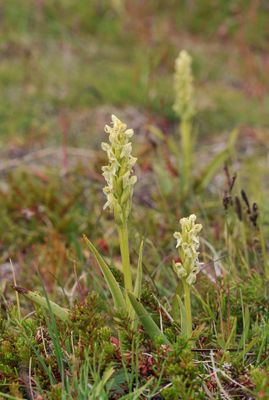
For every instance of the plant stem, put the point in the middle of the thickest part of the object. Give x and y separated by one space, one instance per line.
186 145
187 303
125 256
175 312
264 253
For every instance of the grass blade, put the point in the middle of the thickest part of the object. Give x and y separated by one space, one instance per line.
101 385
138 392
7 396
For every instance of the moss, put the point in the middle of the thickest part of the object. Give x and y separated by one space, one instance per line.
148 296
118 275
184 374
88 322
260 378
56 392
15 351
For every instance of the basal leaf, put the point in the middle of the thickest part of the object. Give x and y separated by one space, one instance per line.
146 320
113 285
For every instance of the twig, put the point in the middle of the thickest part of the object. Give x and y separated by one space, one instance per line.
30 379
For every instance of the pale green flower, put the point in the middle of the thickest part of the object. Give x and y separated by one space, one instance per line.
184 104
188 244
180 270
118 173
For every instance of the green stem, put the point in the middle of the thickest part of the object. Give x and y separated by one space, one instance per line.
125 257
175 312
187 303
264 253
186 144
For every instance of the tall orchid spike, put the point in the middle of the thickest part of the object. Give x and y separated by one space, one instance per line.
184 104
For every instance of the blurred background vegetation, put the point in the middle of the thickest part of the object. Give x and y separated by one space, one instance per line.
66 62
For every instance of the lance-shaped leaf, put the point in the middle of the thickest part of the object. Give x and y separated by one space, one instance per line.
113 285
217 162
212 167
60 312
146 320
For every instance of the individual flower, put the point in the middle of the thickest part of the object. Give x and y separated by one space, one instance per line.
118 172
188 244
184 104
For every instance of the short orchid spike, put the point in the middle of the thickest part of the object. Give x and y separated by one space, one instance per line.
188 244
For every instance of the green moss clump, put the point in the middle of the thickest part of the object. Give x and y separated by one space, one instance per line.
118 275
15 351
260 378
88 322
184 374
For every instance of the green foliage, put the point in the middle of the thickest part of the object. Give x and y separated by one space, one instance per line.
185 375
109 277
42 198
15 351
88 322
260 379
59 312
146 320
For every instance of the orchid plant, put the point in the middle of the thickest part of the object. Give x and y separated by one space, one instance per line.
185 108
188 267
120 180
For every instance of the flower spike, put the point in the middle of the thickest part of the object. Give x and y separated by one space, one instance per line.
118 172
188 244
184 104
